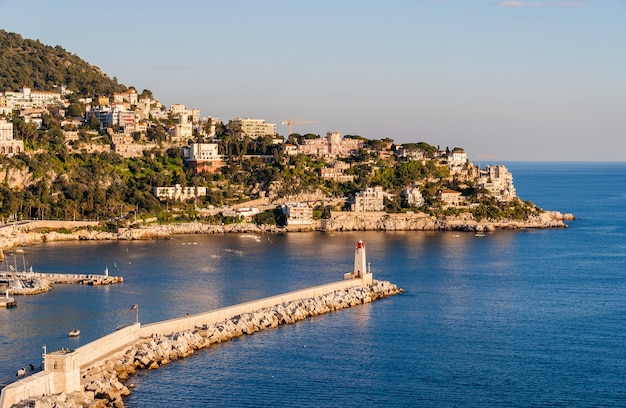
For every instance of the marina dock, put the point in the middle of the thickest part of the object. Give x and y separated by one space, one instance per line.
32 283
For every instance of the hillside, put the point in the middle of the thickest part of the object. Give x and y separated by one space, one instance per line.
30 63
85 178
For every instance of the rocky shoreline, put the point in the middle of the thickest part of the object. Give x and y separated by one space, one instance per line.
340 221
104 382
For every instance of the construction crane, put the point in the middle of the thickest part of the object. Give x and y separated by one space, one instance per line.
292 122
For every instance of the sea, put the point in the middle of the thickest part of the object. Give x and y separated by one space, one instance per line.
523 318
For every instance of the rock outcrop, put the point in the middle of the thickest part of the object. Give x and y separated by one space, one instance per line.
339 221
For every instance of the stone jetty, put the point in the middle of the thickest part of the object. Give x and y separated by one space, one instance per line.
106 382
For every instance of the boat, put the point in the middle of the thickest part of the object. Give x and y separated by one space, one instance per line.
21 372
75 333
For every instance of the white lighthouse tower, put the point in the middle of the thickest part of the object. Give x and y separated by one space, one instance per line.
361 269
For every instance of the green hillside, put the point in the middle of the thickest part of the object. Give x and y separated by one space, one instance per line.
30 63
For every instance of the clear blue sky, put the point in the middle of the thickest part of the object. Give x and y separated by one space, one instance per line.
520 80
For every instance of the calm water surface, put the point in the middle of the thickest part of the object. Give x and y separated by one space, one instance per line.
517 318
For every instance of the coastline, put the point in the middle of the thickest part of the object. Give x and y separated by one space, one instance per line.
29 233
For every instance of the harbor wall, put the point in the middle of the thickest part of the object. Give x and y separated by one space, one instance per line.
64 376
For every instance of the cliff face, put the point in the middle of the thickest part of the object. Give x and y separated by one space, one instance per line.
16 178
341 221
381 221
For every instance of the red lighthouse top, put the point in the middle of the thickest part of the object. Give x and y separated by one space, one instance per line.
360 244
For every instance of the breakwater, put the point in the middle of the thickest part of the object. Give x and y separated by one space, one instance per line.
94 374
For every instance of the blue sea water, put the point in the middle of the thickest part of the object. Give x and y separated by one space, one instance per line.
516 318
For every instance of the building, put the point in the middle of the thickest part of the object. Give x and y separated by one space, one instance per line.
113 115
129 96
183 130
178 193
253 128
335 173
457 158
203 157
8 145
27 98
413 196
451 198
243 212
371 199
498 181
331 146
124 145
298 214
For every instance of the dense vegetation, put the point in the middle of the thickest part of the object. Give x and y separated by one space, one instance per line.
30 63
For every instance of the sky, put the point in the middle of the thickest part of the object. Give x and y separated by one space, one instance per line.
513 80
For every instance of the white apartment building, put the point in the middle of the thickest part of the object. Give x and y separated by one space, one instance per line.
183 130
498 181
413 196
27 98
371 199
253 128
298 213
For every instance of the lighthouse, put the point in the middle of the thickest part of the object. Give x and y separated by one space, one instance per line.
361 269
360 261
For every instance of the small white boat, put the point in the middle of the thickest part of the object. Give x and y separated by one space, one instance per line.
21 372
75 333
